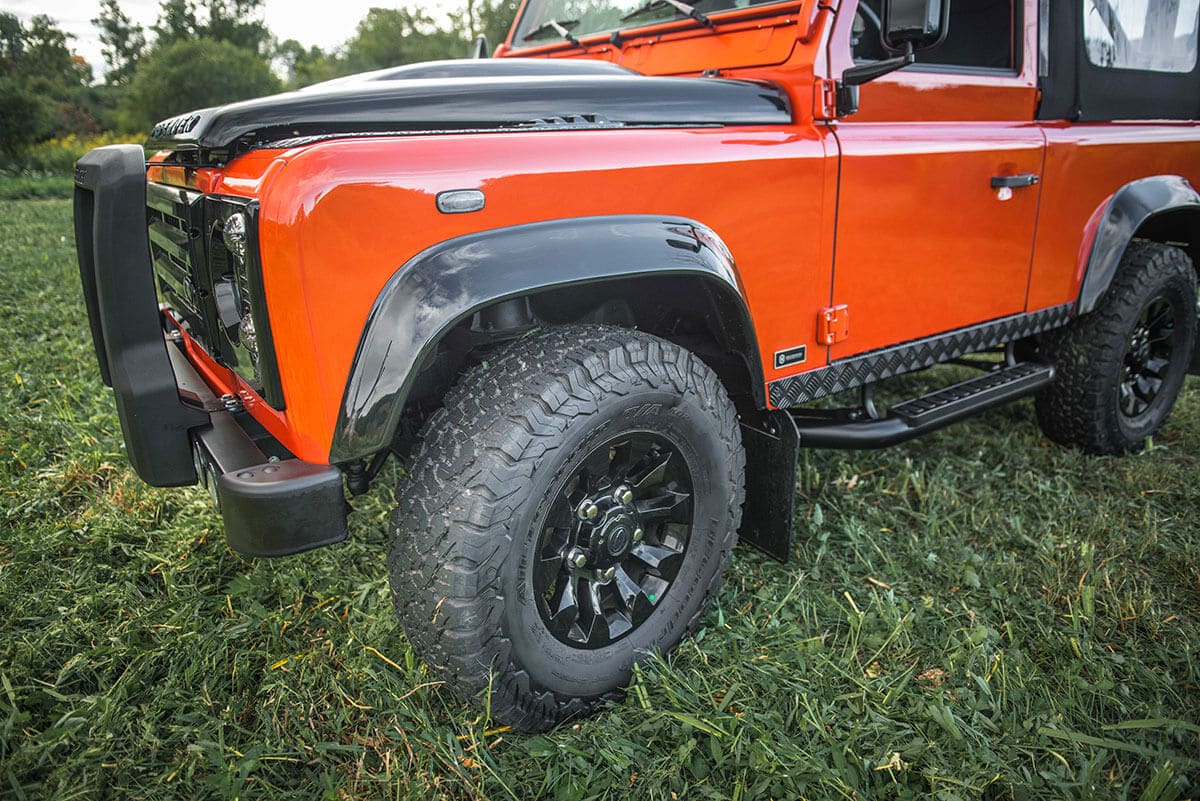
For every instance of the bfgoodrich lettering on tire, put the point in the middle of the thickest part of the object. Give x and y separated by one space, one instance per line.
570 509
1119 369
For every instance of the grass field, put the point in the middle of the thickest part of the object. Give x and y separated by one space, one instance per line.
974 615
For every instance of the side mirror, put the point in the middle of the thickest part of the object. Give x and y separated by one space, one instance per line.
908 26
479 49
917 23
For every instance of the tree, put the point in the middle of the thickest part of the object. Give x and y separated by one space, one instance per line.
25 117
12 42
124 43
176 22
388 37
47 56
46 86
233 21
493 18
303 67
192 74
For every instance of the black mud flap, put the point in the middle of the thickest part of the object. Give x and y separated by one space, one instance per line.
1194 369
772 444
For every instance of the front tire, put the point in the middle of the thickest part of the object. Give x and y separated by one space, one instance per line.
1120 368
570 509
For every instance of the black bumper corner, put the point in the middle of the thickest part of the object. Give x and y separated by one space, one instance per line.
269 507
118 286
176 431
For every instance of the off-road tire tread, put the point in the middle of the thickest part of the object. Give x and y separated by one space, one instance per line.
470 473
1075 409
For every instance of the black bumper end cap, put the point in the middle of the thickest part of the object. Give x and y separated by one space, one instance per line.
282 508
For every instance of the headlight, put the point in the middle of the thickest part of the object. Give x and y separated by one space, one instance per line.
243 342
234 235
248 337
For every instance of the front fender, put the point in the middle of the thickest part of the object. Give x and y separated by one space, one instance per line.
445 284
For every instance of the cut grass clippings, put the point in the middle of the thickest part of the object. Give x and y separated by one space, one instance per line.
977 614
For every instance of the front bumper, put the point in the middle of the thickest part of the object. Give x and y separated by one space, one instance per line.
176 430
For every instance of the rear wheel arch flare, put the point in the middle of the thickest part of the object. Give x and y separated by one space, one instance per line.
1161 208
440 288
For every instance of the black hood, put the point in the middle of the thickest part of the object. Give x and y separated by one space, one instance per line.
470 95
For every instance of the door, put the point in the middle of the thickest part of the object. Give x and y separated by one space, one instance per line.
939 183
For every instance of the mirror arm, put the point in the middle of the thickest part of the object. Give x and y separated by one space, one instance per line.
863 73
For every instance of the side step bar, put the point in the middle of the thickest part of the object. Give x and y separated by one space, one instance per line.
911 419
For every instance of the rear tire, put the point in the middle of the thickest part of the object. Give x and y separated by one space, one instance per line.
498 506
1120 368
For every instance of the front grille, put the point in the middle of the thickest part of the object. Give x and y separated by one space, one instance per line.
206 288
175 220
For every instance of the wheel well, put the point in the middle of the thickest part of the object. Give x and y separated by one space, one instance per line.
696 314
1179 227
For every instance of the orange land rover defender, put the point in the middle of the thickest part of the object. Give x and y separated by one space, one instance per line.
589 289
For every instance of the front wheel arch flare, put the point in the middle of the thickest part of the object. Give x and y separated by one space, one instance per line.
446 284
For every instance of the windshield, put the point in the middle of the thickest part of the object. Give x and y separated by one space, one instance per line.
548 21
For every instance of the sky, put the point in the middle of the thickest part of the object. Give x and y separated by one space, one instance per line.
311 22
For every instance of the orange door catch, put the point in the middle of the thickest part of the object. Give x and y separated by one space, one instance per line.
833 324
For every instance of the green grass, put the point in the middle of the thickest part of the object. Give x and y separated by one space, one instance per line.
974 615
34 186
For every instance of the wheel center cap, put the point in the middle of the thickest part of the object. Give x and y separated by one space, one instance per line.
617 540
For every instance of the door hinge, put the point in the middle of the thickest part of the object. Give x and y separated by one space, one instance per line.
833 324
825 99
833 99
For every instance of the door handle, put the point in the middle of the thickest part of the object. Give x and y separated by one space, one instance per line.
1015 181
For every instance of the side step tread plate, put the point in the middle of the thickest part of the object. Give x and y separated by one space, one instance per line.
999 385
922 415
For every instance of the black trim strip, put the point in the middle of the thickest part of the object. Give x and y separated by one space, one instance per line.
877 365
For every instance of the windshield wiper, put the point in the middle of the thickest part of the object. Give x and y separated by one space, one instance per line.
559 27
682 6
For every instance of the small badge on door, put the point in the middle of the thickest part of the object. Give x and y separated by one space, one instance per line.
786 358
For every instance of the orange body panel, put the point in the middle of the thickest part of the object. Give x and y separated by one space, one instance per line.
338 220
890 211
1085 165
925 244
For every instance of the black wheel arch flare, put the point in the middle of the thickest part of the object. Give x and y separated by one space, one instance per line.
1164 208
444 285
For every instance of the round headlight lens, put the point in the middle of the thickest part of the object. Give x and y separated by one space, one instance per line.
234 235
248 337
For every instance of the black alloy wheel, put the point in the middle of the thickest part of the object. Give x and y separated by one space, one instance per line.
1148 358
614 539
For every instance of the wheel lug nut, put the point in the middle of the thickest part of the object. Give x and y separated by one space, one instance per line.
587 510
623 494
577 557
638 534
